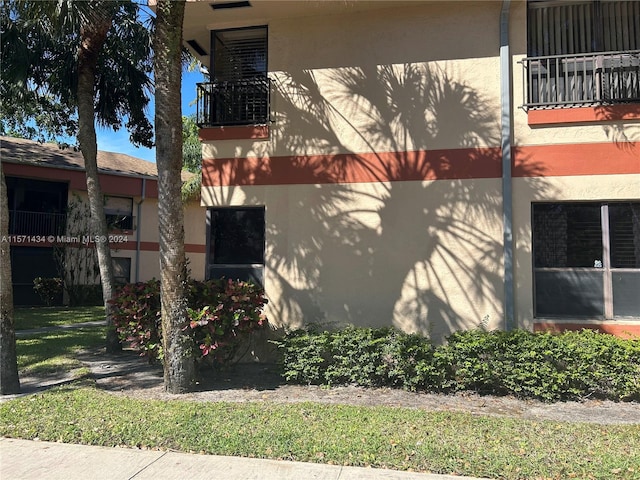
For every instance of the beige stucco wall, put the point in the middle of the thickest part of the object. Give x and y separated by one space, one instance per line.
333 77
423 256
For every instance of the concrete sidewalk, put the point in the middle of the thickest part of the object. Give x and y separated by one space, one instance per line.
26 459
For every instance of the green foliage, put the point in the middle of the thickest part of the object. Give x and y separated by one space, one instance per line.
136 317
571 365
40 73
221 314
191 158
359 356
49 289
546 366
191 146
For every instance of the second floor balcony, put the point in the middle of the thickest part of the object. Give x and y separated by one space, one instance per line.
229 103
602 78
22 222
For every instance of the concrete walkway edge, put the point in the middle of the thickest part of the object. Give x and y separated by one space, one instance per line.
27 459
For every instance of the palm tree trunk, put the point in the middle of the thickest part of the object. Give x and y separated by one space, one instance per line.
93 35
9 381
179 368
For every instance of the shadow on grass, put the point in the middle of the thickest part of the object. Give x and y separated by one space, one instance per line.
127 371
54 352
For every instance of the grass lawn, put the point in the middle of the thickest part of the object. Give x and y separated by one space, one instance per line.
397 438
383 437
39 317
54 352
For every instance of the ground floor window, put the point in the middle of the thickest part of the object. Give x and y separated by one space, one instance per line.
586 259
121 270
235 248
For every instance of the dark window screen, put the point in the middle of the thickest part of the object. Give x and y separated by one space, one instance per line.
237 236
624 225
567 235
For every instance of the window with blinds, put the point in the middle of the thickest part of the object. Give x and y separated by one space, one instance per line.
239 90
239 54
586 259
570 27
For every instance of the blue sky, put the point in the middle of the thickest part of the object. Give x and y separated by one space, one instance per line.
111 141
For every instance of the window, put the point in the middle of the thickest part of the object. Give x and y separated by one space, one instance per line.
121 270
239 90
119 212
574 27
582 52
236 243
586 260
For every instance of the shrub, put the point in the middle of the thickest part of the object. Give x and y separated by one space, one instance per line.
550 367
546 366
49 289
221 314
357 356
225 312
137 317
305 356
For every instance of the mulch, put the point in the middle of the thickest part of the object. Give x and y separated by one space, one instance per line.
128 374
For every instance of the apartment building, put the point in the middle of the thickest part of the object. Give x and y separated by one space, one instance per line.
431 165
48 223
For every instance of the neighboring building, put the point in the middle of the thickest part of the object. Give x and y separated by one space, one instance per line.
44 181
429 165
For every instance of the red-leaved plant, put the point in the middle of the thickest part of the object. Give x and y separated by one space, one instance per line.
221 314
225 312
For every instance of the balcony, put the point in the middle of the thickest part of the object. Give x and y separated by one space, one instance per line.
228 103
36 223
602 78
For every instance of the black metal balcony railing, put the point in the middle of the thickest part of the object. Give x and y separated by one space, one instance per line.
36 223
242 102
590 79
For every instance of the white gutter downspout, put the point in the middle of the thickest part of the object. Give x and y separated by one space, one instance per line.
138 231
507 191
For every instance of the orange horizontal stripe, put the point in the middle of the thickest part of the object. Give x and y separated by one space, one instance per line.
577 159
623 331
583 114
354 168
195 248
116 246
155 247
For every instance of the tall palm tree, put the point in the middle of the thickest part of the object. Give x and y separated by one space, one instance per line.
79 63
9 381
179 368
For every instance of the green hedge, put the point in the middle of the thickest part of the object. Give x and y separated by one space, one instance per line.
550 367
